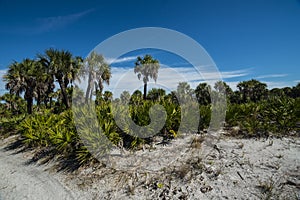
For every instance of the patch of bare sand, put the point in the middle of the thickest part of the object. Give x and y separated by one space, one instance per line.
187 168
22 181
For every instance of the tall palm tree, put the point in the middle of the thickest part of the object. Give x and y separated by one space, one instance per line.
203 93
222 87
30 81
14 79
184 92
146 68
41 83
98 72
22 77
62 67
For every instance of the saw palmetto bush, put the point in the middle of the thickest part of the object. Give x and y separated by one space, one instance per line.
173 118
35 129
281 114
233 115
94 140
8 124
272 116
248 116
252 121
63 133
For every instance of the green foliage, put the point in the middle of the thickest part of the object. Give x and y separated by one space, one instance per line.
35 129
281 114
8 124
146 68
252 119
63 134
49 124
272 116
205 116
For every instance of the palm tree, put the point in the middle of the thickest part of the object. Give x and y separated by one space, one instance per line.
125 96
99 72
62 67
41 83
30 81
184 92
156 94
222 87
203 93
22 77
147 68
14 80
48 82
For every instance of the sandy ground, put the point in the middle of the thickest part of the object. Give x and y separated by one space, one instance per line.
188 168
20 180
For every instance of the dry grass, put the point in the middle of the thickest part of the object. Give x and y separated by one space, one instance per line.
197 141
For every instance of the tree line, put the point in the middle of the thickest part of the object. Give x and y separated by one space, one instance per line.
37 105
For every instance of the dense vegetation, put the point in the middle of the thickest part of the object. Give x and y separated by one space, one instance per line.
38 110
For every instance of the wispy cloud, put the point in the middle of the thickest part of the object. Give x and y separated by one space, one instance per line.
53 23
120 60
207 75
277 84
296 81
271 76
123 78
235 73
47 24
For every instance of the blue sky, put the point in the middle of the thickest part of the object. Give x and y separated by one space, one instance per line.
245 38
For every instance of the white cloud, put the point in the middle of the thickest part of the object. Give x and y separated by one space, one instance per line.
2 72
232 84
271 76
277 84
296 81
168 78
2 84
229 74
120 60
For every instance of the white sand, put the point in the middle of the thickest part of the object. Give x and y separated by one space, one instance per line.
22 181
234 169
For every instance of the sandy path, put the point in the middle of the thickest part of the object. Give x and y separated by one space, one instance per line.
22 181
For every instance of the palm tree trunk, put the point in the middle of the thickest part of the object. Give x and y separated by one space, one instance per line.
29 105
38 100
29 99
100 86
64 94
89 87
91 94
145 91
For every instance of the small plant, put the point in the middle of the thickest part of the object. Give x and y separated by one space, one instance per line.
196 142
268 189
160 185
